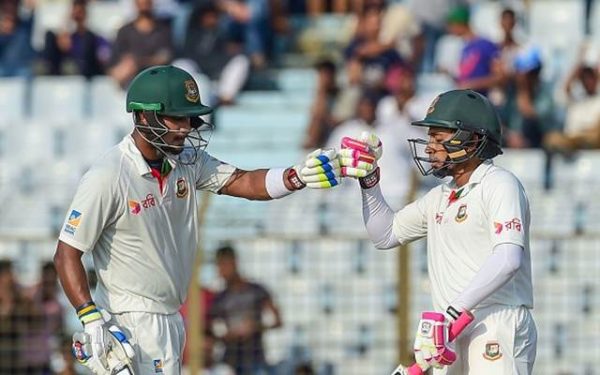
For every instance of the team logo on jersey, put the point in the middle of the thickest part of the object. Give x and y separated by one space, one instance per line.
182 188
191 91
73 222
134 207
158 365
461 215
492 351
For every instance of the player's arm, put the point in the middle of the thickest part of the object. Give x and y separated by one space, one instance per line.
71 273
320 170
496 271
386 229
270 306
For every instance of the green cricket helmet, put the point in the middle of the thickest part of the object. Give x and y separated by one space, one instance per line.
166 90
476 125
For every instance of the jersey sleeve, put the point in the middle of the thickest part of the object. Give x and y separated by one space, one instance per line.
93 208
410 223
508 210
212 173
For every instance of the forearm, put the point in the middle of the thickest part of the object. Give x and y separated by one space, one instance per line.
496 271
72 275
378 218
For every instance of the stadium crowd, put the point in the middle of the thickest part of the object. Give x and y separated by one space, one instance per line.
374 81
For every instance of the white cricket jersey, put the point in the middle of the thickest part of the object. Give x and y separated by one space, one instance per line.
143 240
491 209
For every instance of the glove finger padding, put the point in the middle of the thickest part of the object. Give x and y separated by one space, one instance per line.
83 353
321 169
358 158
432 347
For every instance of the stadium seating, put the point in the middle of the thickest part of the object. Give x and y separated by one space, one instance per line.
59 98
13 93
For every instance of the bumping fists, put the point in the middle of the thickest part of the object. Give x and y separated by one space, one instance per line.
357 158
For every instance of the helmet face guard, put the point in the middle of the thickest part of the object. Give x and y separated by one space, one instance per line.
155 130
456 147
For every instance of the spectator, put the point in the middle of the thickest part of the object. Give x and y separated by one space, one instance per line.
16 53
394 116
504 97
207 297
240 307
10 305
364 120
432 17
582 125
139 44
322 120
535 103
304 369
368 62
214 54
249 21
480 67
79 52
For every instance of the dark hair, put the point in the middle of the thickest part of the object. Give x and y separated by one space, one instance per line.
48 266
5 265
83 3
508 12
587 71
225 252
326 65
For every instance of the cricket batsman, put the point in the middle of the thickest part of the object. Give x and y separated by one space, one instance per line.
135 212
477 230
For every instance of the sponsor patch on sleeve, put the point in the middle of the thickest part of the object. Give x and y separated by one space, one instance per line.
72 222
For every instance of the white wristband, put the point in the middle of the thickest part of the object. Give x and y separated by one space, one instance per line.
275 185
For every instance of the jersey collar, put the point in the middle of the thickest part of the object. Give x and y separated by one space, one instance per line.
130 149
475 178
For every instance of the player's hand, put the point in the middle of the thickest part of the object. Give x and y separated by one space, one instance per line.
432 343
102 348
358 158
320 170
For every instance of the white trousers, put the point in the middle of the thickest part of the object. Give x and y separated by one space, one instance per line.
501 341
157 339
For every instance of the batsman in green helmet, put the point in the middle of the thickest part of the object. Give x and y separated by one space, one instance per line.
477 228
135 212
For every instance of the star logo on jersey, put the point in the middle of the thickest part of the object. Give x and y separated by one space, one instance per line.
73 222
158 365
182 188
134 207
461 215
492 351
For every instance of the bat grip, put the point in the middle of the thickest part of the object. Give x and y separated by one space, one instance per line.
456 328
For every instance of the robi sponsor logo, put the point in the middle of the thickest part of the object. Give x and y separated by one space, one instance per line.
514 224
135 207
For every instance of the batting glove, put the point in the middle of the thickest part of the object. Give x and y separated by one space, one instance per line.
432 343
358 158
320 170
104 350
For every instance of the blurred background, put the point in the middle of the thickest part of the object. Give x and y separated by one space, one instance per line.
285 77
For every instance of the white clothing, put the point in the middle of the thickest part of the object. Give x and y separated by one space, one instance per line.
394 129
157 340
583 115
492 209
501 341
142 234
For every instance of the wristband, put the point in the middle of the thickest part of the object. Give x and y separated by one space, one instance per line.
274 183
452 312
294 179
88 312
370 180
